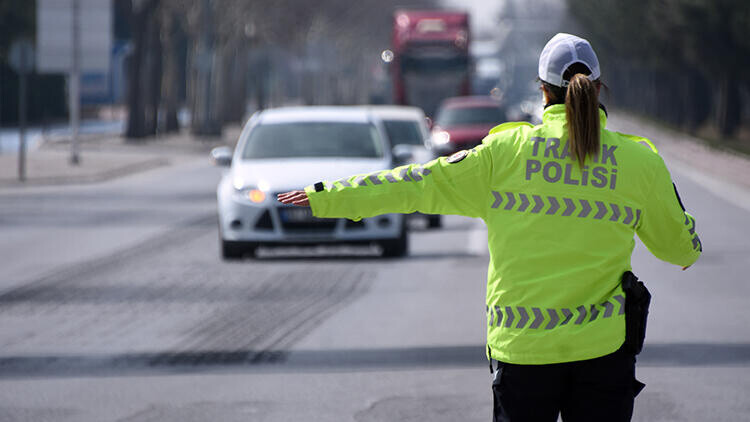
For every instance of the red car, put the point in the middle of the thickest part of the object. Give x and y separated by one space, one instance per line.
462 122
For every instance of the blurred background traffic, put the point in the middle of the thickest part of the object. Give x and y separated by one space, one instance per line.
150 67
148 273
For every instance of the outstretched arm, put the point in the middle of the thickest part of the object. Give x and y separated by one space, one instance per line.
442 186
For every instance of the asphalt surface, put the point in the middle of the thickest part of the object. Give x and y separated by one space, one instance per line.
115 306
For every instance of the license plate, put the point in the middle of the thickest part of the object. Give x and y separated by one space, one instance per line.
296 215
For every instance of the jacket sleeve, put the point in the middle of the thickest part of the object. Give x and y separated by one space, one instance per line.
437 187
666 229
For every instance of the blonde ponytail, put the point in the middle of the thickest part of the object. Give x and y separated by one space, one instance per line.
582 113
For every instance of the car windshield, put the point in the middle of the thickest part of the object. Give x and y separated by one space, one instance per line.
313 139
470 116
403 132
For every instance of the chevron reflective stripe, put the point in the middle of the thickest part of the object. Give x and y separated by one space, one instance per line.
508 316
405 174
637 217
553 205
553 319
538 204
697 243
602 210
568 315
690 222
524 202
585 208
594 312
538 318
568 207
524 317
628 215
533 318
498 199
615 212
511 201
621 300
373 178
581 315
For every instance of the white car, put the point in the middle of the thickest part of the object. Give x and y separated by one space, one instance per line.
289 148
409 134
407 126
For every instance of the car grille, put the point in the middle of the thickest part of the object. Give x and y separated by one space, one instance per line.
325 225
297 219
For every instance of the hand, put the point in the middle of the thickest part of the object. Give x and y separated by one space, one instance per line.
295 197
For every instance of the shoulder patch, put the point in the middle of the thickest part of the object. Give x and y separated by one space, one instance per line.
640 140
458 156
509 125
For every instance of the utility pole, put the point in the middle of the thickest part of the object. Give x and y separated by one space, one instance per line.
75 85
23 69
20 59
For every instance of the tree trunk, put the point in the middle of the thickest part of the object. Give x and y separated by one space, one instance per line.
136 126
204 120
170 78
728 105
152 85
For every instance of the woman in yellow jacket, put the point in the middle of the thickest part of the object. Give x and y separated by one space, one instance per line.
562 202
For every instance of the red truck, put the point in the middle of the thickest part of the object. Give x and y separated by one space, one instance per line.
431 57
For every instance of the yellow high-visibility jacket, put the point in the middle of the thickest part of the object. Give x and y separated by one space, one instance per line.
560 236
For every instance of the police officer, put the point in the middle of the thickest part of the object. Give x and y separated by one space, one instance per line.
562 201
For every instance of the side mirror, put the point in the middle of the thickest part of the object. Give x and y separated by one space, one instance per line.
430 123
402 154
221 156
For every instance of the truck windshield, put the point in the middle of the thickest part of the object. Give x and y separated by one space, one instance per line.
313 139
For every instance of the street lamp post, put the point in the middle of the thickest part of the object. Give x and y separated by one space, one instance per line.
75 86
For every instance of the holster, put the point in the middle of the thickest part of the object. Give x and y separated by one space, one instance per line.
637 300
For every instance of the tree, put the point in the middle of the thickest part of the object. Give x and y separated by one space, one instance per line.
142 21
683 50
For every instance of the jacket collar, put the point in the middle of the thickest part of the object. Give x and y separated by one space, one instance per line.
556 113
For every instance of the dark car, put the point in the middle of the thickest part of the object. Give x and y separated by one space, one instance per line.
462 122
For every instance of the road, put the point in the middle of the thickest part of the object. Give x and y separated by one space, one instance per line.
116 307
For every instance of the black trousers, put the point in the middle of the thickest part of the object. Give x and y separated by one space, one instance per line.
601 389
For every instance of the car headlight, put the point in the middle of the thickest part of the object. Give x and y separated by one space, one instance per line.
441 138
256 196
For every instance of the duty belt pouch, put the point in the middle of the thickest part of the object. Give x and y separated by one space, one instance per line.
637 300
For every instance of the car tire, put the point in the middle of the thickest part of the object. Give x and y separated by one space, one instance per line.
396 248
236 250
434 221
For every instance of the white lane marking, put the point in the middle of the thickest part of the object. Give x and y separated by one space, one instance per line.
732 193
477 244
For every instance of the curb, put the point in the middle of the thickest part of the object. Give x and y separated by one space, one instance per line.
103 176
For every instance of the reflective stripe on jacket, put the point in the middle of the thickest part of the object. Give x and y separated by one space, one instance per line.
560 236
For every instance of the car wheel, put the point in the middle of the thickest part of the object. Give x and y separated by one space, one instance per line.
434 221
398 247
236 250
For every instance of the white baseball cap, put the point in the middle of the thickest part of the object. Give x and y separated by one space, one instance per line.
562 51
